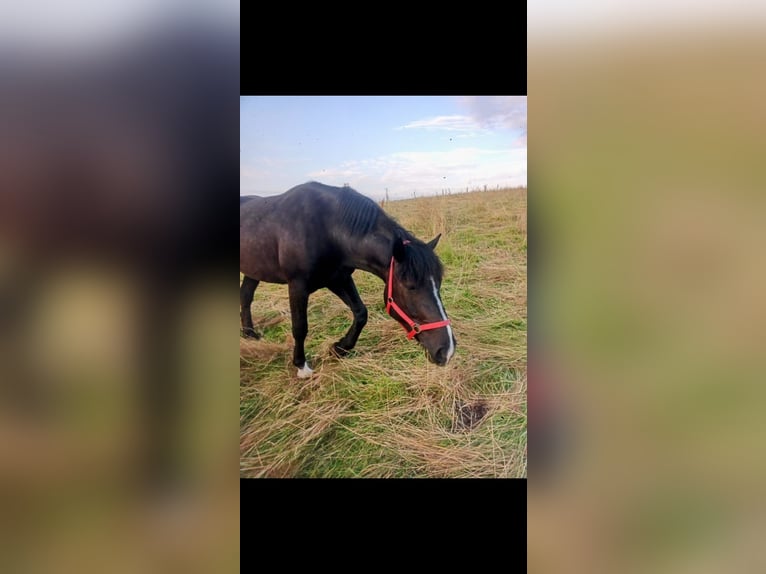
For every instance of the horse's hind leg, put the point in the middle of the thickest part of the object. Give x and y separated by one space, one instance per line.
299 301
246 292
345 288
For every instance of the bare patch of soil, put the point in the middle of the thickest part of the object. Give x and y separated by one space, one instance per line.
468 415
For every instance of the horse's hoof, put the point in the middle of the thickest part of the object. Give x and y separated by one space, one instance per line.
305 372
339 351
250 334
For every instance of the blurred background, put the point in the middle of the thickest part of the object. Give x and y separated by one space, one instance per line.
646 288
118 446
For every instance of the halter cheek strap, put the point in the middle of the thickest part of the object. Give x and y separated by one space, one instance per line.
415 328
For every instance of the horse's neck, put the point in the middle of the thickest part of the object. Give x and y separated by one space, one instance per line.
373 253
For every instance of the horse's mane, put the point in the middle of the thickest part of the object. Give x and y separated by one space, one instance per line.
419 262
358 213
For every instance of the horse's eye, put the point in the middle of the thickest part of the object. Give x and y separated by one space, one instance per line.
412 288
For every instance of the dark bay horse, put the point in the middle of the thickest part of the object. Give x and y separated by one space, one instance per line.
316 236
113 158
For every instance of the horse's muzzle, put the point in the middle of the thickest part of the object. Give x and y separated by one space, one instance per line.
441 357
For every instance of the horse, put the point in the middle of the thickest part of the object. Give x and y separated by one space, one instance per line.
315 236
114 159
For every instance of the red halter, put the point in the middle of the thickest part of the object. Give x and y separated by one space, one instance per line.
415 328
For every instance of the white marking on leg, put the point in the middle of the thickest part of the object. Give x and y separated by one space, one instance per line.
451 350
305 372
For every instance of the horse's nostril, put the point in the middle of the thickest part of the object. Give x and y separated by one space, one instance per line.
440 357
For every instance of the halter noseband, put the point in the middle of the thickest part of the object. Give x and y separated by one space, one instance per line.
415 328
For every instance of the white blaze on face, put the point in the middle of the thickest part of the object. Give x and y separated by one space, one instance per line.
451 350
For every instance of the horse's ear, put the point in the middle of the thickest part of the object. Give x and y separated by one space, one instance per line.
434 241
398 249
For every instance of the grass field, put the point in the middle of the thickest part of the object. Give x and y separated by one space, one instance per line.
385 411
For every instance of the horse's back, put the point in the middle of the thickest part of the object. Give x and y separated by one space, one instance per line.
293 209
299 230
251 206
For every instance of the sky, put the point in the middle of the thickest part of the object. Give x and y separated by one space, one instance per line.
407 144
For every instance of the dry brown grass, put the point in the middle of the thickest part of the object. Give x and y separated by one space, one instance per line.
385 411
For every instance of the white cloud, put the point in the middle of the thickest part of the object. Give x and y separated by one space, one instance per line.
427 173
449 123
485 113
497 112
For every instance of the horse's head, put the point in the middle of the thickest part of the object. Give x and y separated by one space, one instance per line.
412 297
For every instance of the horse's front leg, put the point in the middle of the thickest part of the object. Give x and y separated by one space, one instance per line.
345 289
299 300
